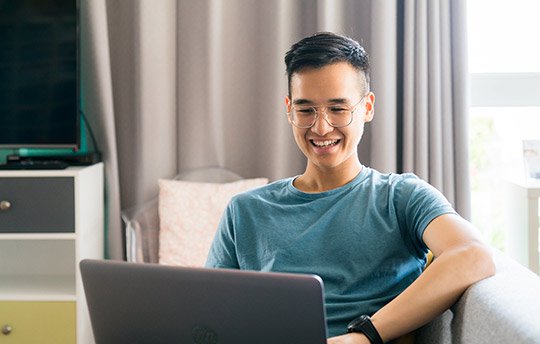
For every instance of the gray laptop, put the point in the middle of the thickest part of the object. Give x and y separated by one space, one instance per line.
150 303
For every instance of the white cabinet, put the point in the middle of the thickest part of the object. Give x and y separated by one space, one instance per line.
522 222
49 221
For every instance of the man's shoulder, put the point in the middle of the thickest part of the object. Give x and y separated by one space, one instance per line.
394 179
405 186
271 190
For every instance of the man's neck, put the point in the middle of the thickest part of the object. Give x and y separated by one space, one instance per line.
316 179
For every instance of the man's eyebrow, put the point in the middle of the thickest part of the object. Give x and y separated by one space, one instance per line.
338 100
302 101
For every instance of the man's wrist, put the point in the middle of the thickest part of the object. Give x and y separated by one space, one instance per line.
359 338
363 325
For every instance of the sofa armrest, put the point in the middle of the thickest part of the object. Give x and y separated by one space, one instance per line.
504 308
141 224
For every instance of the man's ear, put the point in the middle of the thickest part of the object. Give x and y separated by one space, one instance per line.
288 103
370 107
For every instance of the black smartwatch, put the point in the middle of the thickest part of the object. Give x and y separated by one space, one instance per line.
363 324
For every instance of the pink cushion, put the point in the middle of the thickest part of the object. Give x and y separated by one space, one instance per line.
189 215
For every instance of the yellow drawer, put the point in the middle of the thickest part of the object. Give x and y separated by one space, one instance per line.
37 322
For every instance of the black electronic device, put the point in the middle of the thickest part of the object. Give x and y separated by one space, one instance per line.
39 74
31 164
15 162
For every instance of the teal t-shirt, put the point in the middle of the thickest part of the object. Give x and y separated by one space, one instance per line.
363 239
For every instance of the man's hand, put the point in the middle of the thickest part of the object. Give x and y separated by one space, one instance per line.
349 338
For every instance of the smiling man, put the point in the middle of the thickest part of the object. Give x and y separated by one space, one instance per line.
325 101
366 234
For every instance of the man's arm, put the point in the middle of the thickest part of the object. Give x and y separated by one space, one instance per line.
461 259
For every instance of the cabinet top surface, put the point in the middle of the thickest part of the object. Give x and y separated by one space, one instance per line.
37 236
68 172
529 187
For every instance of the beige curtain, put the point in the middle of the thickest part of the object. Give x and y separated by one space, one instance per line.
435 90
420 77
173 85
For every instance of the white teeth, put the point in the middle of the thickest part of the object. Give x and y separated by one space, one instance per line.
324 143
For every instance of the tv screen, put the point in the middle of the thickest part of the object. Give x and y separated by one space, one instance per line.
39 93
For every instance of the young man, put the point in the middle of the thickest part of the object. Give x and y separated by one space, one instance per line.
366 234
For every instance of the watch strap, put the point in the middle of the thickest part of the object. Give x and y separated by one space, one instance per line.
364 325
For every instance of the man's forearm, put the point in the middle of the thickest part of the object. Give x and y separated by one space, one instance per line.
436 290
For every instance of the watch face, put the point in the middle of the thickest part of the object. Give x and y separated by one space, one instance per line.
363 325
356 324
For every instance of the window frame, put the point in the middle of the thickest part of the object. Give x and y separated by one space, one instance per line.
504 89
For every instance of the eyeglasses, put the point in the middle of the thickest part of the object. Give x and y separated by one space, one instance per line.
336 115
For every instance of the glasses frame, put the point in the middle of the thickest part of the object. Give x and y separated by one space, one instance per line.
323 109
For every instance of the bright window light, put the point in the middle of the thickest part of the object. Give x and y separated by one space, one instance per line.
504 62
503 36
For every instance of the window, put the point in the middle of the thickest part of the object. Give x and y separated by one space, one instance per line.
504 65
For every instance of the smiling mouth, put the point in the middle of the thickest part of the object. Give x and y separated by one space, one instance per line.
324 143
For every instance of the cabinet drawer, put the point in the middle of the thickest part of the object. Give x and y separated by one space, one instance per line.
37 205
37 322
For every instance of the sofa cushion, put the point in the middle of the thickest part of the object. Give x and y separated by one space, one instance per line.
189 214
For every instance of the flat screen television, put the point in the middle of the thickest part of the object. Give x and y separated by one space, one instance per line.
39 74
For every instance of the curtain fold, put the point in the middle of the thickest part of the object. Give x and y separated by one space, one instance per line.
435 101
460 101
97 104
174 85
143 68
383 50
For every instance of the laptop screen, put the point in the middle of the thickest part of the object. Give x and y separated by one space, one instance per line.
150 303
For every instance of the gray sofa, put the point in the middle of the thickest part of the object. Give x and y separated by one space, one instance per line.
502 309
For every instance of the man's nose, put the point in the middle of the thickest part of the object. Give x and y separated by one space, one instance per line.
321 126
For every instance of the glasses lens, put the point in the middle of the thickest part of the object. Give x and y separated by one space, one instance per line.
303 116
337 116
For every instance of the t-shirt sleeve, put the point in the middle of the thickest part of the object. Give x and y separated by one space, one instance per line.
222 253
418 203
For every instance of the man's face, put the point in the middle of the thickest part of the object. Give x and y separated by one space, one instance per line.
324 146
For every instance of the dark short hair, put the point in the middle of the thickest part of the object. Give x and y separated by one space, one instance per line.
325 48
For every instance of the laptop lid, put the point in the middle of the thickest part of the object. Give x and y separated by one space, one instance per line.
151 303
